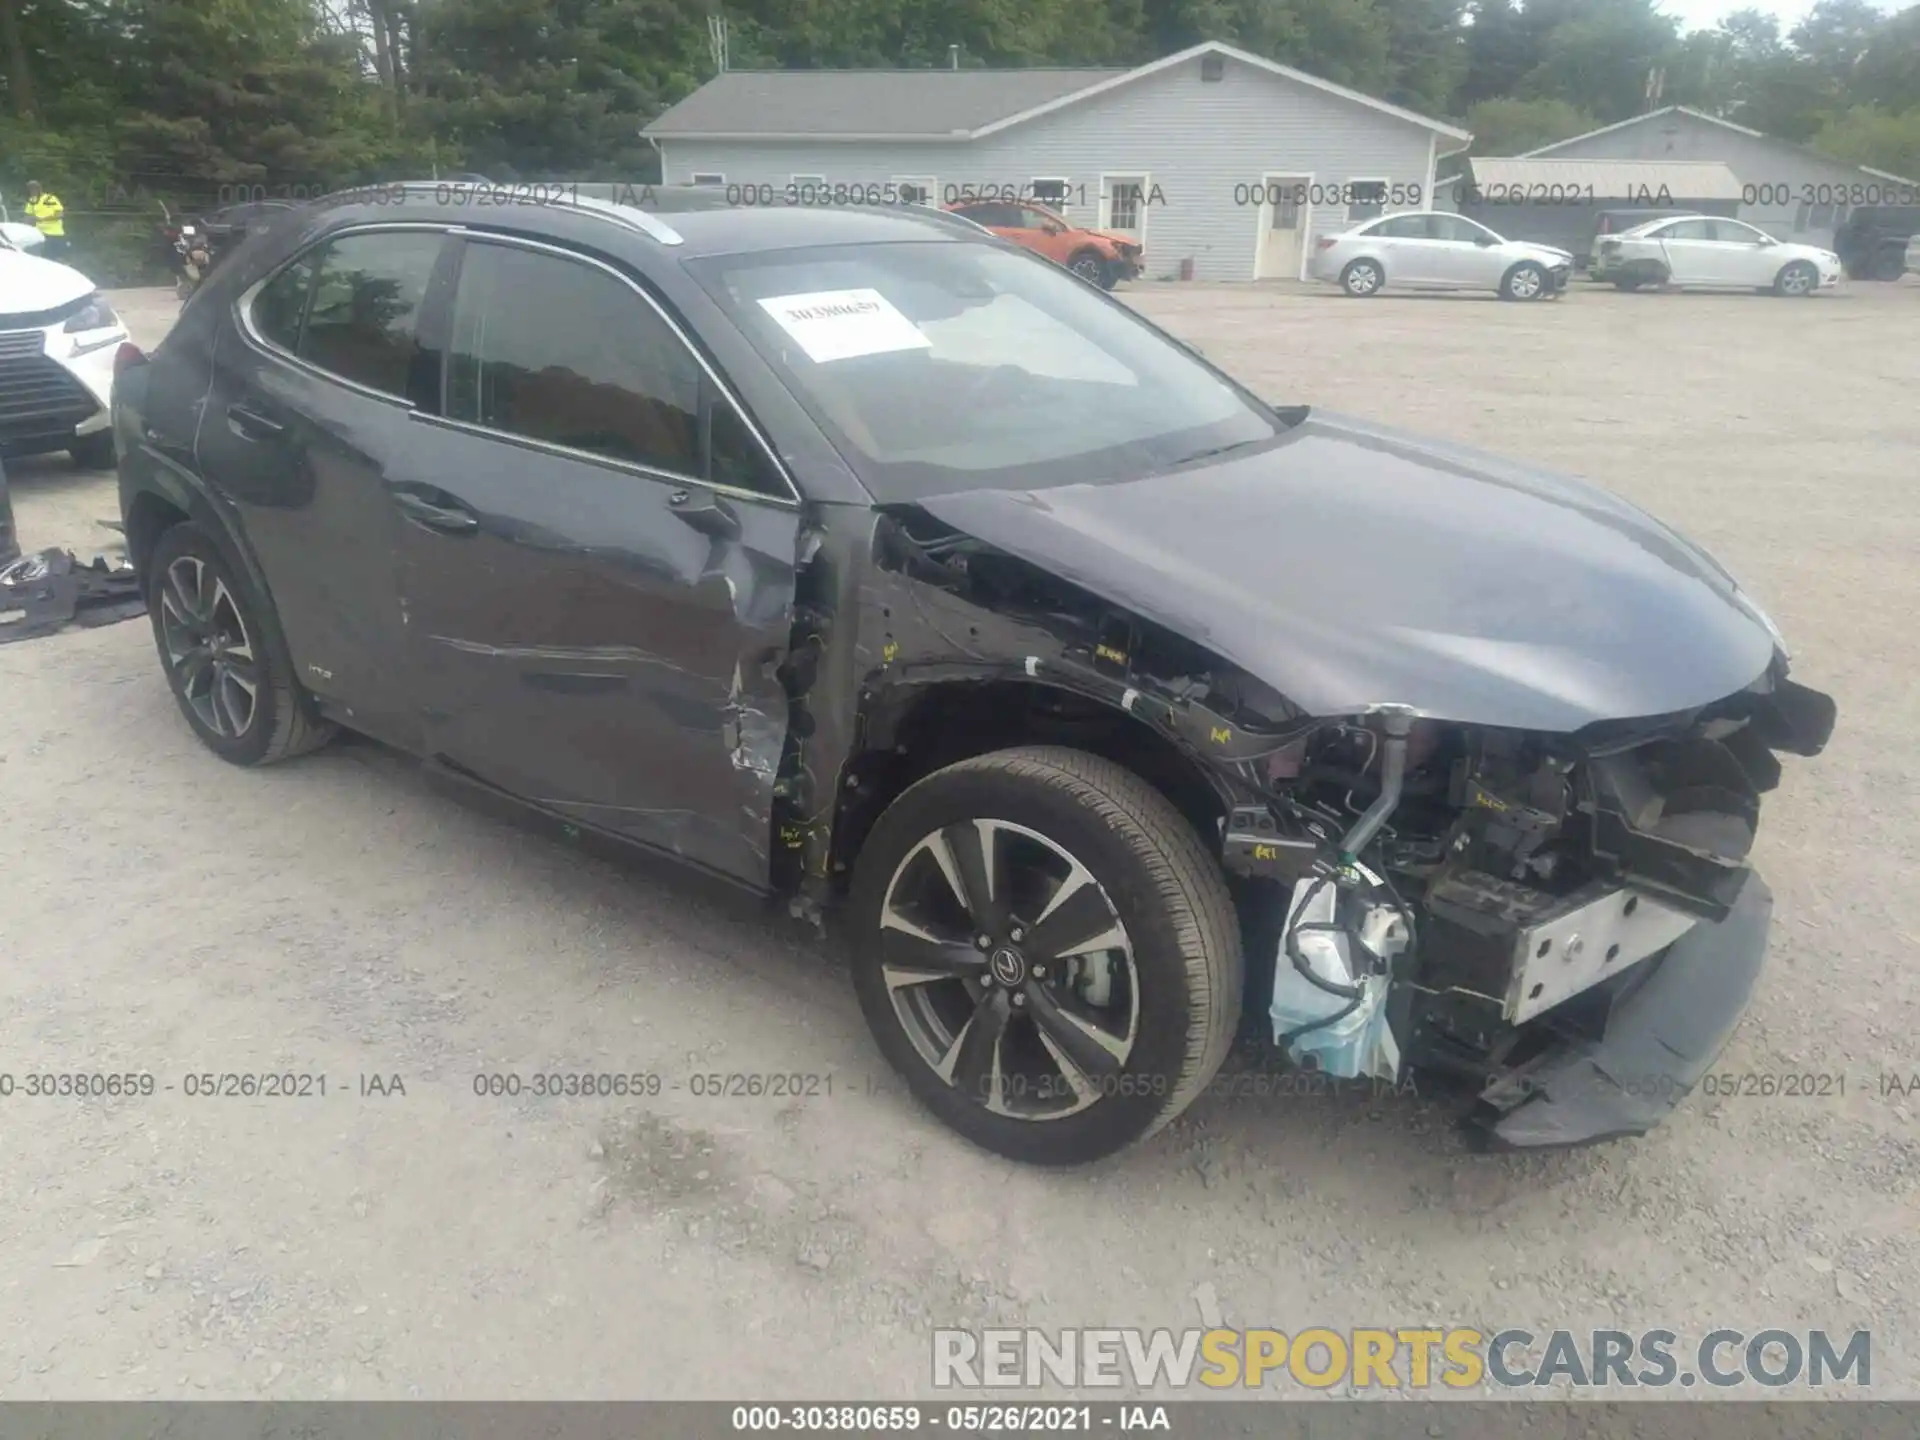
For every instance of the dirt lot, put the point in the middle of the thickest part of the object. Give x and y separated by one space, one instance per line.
166 913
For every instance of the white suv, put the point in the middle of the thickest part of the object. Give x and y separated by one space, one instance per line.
1428 249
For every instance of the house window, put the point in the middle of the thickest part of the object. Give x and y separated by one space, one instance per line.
1822 215
808 189
1365 199
917 189
1050 191
1212 68
1124 209
707 177
1806 211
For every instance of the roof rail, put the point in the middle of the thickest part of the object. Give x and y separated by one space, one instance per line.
649 225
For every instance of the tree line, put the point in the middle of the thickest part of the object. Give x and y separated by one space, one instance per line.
116 104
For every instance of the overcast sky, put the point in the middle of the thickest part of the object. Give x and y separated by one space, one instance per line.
1705 14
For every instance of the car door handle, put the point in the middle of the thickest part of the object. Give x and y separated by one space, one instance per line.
705 512
454 519
251 424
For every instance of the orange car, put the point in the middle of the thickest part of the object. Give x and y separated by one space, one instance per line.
1093 255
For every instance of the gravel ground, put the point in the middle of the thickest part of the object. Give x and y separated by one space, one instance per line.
167 913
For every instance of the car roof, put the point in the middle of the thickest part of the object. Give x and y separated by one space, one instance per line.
1652 221
684 234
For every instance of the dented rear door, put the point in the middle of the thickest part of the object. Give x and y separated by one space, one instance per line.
598 565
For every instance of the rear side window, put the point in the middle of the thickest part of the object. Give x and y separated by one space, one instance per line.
363 322
352 307
1687 230
1007 217
556 350
1403 227
282 304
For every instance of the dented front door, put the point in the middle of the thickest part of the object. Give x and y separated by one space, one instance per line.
594 633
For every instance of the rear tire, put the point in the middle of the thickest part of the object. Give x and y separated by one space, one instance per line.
1363 279
1152 1013
229 674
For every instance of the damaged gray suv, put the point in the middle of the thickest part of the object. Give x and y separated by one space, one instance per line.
883 567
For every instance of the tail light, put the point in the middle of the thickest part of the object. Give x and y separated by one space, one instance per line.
127 356
1327 242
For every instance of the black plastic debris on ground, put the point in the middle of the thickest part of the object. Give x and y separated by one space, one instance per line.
48 591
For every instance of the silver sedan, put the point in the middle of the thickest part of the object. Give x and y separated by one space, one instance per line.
1431 250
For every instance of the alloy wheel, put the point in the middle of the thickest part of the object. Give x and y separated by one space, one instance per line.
1009 970
210 654
1796 281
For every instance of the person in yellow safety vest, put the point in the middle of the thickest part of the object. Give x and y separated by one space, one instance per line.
47 214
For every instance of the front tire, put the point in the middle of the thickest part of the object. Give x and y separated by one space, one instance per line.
1525 281
229 675
1046 953
1796 280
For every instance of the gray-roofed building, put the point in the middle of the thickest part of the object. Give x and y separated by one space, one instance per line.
1556 201
1787 189
1218 161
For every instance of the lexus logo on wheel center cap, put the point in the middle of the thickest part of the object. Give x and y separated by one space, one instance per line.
1007 966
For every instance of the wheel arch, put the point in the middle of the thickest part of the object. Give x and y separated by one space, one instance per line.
908 731
166 498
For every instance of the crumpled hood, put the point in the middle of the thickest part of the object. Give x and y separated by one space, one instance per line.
1349 565
29 284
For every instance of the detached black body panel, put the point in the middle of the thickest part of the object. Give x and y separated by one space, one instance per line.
1658 1042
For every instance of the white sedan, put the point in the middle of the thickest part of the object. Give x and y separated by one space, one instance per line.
1711 252
58 337
1431 250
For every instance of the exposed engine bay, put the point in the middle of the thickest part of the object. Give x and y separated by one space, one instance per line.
1511 883
1453 898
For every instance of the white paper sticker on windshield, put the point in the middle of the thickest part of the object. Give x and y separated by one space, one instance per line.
840 324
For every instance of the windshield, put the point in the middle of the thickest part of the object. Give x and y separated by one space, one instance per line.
943 367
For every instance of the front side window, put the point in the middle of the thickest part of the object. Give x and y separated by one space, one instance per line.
1738 233
555 350
943 367
362 322
1032 219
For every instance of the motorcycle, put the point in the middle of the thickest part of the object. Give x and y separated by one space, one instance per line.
189 252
